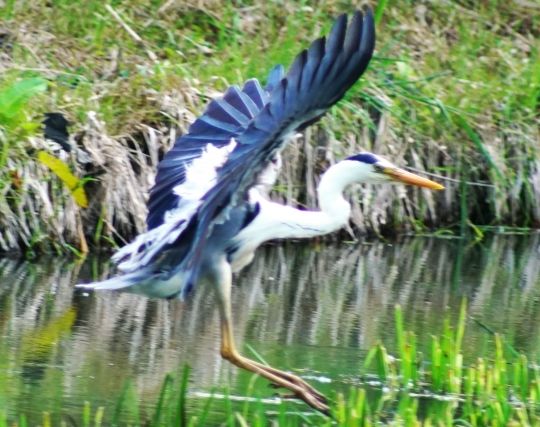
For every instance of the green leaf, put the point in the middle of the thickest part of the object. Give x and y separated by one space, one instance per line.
63 172
14 97
379 10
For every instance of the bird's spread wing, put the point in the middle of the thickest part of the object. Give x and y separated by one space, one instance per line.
188 170
236 138
224 118
317 79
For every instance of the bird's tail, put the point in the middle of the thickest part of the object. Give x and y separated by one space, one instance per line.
114 283
143 282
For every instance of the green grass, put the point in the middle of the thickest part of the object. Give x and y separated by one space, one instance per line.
454 89
411 388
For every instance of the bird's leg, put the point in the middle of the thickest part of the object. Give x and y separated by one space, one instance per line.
299 387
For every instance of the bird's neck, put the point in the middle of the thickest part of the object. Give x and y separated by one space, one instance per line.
276 221
330 192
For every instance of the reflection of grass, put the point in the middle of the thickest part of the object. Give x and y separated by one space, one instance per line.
432 389
39 342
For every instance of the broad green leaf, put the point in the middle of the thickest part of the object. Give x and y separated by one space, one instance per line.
13 98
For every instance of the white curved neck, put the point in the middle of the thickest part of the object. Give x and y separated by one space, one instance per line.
334 213
333 205
276 221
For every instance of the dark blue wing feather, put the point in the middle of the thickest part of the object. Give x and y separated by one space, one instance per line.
241 102
318 78
224 118
256 93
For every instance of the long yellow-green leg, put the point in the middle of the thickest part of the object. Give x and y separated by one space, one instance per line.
295 384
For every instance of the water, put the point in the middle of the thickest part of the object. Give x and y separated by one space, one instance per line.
309 308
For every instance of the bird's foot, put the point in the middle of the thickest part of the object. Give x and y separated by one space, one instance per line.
303 390
291 378
315 400
300 389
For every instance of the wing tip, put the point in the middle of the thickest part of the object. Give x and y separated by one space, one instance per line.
368 35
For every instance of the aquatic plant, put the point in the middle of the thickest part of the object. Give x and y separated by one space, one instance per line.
498 391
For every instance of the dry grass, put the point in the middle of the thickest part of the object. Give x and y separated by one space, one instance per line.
454 90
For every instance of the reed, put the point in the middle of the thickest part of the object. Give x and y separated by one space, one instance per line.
453 90
500 391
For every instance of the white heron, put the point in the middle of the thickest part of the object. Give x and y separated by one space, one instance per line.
208 210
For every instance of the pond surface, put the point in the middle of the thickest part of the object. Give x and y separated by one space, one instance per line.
312 309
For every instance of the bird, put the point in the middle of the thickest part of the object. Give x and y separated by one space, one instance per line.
209 209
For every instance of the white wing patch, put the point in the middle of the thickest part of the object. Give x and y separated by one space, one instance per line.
268 177
201 176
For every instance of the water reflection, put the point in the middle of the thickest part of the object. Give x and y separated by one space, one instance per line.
299 306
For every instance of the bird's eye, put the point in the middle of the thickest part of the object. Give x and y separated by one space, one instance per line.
378 168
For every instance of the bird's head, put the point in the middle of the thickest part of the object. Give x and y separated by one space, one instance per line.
372 169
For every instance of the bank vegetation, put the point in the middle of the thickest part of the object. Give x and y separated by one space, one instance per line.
453 90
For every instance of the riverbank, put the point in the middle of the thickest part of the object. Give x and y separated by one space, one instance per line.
453 90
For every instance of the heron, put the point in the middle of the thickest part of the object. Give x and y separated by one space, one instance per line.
209 209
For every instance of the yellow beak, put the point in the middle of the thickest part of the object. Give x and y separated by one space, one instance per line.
412 179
